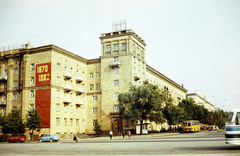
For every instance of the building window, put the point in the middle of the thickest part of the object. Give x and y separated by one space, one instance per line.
58 66
71 71
97 75
15 83
133 47
71 122
58 80
57 121
116 108
4 98
32 67
115 47
77 110
91 75
31 80
31 107
77 122
94 110
15 71
123 46
83 75
91 87
94 98
83 122
65 121
65 108
5 72
116 95
58 93
116 83
83 87
58 107
83 98
31 93
108 48
115 59
14 96
137 50
14 107
94 122
4 110
139 62
71 109
65 69
97 86
77 73
83 110
116 71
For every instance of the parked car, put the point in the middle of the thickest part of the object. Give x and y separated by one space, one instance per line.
48 137
16 139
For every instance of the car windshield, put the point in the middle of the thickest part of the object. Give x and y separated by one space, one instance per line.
230 116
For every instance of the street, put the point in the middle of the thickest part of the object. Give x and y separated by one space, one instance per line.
201 143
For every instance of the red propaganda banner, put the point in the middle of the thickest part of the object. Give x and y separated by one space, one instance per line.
43 74
43 104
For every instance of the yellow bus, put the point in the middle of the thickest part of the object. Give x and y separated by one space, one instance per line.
191 126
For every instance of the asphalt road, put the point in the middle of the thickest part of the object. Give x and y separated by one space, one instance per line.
201 143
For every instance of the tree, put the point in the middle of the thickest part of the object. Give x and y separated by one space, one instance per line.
13 123
33 121
142 103
173 114
97 128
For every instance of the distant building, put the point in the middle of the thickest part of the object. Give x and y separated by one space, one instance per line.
71 92
201 101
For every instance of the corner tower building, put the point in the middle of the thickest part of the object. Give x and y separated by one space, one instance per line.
71 92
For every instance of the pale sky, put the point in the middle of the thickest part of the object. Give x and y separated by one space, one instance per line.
192 42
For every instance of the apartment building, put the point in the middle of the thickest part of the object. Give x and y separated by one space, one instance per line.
201 101
71 92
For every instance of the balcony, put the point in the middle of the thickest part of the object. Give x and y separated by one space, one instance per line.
2 102
67 101
79 79
136 76
67 75
78 102
67 88
146 81
115 64
3 78
79 90
3 90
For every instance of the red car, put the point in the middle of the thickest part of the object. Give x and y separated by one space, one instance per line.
16 139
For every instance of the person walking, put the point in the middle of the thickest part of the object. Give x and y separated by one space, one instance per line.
111 134
74 138
123 133
129 134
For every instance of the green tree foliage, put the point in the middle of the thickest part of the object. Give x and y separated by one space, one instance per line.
13 123
174 114
193 111
33 121
142 103
98 128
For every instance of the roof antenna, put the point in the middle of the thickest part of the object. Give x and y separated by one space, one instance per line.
119 25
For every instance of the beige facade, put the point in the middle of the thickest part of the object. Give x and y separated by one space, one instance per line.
201 101
81 91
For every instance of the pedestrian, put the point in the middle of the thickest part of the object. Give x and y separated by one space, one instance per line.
74 138
129 134
39 135
123 133
111 134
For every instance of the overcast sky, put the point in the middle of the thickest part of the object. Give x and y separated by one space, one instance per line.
192 42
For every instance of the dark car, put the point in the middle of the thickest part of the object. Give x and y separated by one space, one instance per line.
16 139
48 137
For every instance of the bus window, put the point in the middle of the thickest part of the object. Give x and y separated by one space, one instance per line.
189 124
185 124
230 115
237 120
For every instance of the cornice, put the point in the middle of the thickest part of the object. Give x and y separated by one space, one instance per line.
94 61
165 78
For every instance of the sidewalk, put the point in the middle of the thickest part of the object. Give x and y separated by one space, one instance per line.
119 137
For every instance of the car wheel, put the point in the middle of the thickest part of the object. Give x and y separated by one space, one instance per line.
17 141
8 141
51 140
40 140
